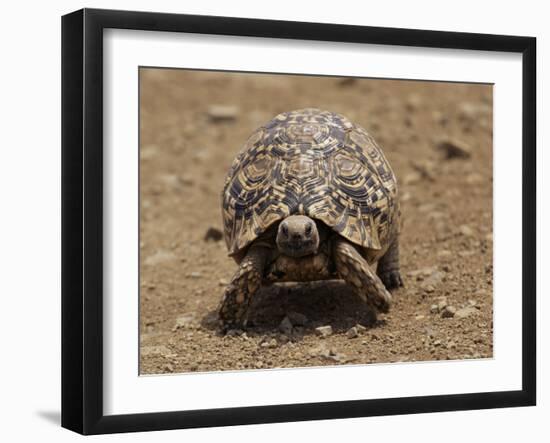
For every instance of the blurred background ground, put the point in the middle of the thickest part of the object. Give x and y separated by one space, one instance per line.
438 139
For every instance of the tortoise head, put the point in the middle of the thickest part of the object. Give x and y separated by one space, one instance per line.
297 236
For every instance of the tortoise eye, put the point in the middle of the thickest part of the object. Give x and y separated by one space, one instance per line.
284 228
308 229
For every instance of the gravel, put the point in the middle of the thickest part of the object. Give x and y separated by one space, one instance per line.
180 194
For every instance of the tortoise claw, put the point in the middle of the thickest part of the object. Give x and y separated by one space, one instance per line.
392 280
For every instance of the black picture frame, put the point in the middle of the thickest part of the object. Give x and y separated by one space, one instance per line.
82 220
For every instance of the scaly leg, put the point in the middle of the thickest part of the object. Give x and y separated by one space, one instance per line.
388 267
245 283
355 270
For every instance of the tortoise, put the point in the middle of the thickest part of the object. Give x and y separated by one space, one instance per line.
310 197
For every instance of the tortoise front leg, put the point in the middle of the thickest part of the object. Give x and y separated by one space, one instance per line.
355 270
245 283
388 267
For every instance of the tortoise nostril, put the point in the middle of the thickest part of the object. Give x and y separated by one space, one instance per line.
296 237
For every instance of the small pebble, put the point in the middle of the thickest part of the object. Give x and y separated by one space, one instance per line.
324 331
320 351
455 148
466 231
428 288
213 234
448 312
352 332
219 113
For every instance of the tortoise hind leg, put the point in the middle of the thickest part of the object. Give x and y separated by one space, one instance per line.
355 270
388 267
233 310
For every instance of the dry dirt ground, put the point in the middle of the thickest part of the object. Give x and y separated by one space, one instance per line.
192 126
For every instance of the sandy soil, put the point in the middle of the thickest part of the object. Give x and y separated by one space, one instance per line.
187 144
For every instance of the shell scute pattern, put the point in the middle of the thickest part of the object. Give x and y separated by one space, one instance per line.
315 163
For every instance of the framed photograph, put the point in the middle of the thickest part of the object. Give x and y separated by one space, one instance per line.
269 221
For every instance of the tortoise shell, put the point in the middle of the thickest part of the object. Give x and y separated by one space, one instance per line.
316 163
